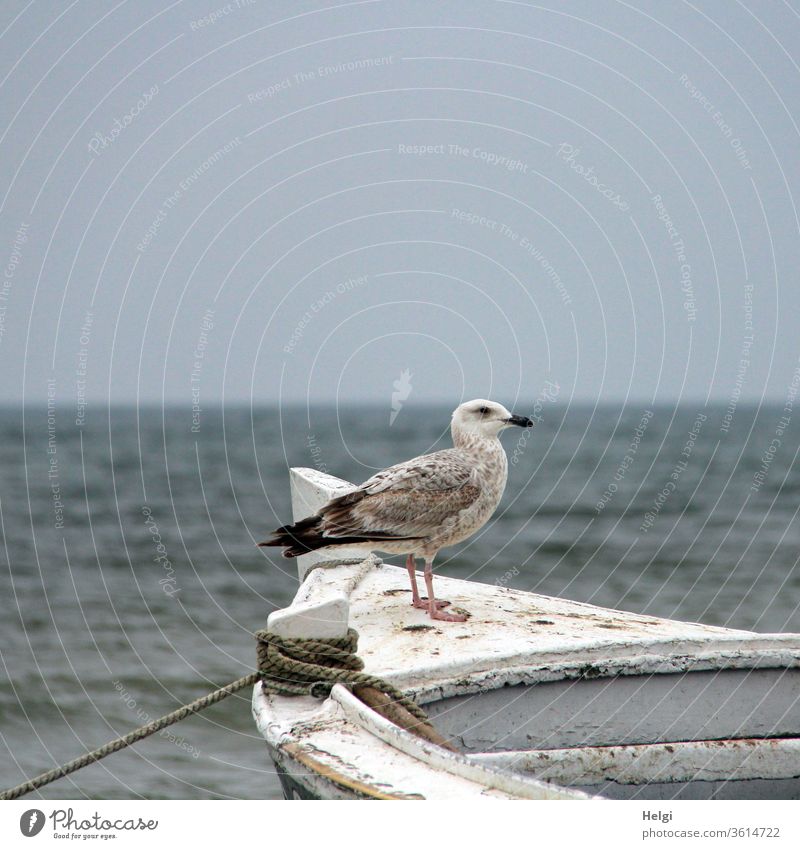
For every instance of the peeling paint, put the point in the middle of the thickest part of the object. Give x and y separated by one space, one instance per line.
513 638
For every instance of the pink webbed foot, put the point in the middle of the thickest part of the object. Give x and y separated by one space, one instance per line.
422 603
448 617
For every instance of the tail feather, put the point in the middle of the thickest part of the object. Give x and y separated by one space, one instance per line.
309 535
299 538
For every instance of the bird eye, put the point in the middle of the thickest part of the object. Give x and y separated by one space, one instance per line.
484 411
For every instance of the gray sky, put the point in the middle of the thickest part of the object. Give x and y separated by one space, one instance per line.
301 200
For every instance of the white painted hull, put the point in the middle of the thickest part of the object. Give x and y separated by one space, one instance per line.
543 698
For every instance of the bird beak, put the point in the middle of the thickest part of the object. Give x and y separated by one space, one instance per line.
520 421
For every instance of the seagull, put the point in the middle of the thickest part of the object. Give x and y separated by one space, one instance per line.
418 507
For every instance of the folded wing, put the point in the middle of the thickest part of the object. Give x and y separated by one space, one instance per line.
409 501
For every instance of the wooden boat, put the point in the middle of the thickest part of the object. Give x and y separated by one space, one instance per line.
543 698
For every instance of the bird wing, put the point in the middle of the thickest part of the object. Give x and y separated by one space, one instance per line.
410 500
437 472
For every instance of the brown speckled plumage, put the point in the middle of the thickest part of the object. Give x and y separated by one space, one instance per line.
415 507
419 506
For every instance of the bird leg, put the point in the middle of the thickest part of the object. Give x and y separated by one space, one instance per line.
412 574
416 599
433 606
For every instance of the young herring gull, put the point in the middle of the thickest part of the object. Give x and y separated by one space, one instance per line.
422 505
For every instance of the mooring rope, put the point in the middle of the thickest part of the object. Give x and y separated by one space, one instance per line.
128 739
312 667
287 667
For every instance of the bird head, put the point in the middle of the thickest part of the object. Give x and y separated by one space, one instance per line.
485 419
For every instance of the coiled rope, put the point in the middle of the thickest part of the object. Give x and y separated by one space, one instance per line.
287 667
312 667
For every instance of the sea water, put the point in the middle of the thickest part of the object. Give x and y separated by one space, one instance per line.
131 581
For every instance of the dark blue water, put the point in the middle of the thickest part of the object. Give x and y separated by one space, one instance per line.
682 517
